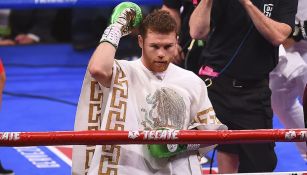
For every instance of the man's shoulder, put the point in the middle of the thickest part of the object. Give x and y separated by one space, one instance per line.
126 62
122 61
126 66
182 71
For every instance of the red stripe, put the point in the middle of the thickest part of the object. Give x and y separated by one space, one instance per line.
1 67
65 150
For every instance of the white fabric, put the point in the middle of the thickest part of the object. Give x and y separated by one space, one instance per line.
34 37
287 82
302 10
144 102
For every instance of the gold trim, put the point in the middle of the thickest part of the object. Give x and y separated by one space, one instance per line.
94 118
116 121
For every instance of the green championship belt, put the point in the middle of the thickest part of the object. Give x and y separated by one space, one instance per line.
166 150
169 150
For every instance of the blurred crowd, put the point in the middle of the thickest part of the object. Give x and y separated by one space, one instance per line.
81 27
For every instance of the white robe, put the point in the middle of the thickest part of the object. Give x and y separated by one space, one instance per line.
288 81
139 100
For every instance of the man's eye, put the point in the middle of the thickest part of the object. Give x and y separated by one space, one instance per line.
167 47
155 46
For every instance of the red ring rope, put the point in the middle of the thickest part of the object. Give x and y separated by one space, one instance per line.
151 137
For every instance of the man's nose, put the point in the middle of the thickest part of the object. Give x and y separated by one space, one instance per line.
161 53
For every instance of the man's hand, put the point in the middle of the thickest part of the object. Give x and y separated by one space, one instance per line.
179 57
289 43
24 39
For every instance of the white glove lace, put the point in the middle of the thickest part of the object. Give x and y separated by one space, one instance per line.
120 28
112 35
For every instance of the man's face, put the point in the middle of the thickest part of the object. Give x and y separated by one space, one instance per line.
158 50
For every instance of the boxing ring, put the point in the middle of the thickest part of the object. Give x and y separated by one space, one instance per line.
24 117
30 109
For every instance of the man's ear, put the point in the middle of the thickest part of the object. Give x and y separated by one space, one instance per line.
140 41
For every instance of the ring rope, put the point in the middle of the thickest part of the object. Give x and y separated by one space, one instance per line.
110 137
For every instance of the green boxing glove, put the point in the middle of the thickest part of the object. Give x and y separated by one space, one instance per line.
128 15
125 17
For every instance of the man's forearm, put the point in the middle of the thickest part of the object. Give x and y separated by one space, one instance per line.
275 32
200 20
101 62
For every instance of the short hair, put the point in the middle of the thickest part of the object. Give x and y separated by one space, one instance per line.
159 21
